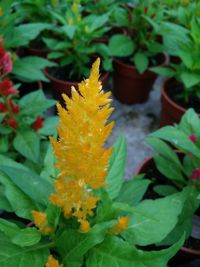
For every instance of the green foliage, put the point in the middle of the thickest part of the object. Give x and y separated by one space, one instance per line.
121 45
30 69
116 168
147 226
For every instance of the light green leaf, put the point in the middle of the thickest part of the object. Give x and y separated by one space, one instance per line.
23 34
116 168
30 69
166 72
49 126
153 220
116 252
121 45
41 103
132 191
141 62
190 78
73 245
26 237
177 138
69 30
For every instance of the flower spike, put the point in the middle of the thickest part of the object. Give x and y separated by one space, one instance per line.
81 157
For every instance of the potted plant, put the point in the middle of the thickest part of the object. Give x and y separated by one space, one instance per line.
80 214
181 91
173 171
75 49
135 52
23 128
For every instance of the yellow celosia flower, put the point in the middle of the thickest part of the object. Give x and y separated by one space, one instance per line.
52 262
40 220
81 157
121 225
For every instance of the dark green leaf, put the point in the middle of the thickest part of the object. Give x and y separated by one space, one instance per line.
28 145
36 187
12 255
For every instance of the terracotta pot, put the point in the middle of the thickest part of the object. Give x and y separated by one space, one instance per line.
59 87
185 254
131 87
171 112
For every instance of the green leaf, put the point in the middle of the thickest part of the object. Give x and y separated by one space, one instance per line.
20 203
23 34
34 186
4 203
69 30
165 190
177 138
190 78
190 123
116 168
49 126
30 69
28 145
132 191
121 45
166 72
49 170
141 62
53 55
153 220
4 145
12 255
41 103
184 224
167 162
73 245
26 237
116 252
53 214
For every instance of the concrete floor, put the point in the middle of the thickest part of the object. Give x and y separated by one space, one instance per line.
135 122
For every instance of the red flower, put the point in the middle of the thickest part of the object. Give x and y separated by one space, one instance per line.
193 138
7 88
15 109
3 107
12 123
195 174
38 123
5 63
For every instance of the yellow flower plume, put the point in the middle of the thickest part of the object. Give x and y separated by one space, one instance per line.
52 262
40 220
81 157
120 226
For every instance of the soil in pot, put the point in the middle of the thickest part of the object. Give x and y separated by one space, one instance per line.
173 107
131 87
26 88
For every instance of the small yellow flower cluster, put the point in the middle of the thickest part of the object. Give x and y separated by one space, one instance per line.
40 220
121 225
52 262
81 157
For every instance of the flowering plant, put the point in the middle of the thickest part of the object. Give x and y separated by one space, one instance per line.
76 40
87 215
22 127
180 168
186 68
141 43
